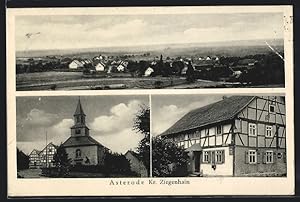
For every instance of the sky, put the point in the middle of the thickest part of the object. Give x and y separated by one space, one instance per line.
90 31
167 109
110 119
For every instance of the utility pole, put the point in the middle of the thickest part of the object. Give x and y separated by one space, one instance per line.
46 152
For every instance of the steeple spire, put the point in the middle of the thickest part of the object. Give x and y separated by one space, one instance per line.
79 127
79 110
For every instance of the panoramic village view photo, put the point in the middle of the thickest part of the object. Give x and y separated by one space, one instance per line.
218 135
182 51
79 137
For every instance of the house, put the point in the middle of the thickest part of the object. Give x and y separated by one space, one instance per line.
34 159
237 136
100 67
75 64
148 71
121 67
44 158
81 148
47 154
136 164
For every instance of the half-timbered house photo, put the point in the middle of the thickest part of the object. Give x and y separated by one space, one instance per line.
228 136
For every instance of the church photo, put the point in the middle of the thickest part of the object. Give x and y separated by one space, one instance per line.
83 137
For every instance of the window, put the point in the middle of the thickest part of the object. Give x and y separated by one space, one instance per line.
252 129
219 156
271 108
206 157
78 153
207 132
252 156
269 157
77 131
219 130
269 131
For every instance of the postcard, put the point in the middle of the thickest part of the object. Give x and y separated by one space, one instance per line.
150 101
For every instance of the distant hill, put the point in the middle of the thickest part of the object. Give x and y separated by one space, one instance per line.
230 48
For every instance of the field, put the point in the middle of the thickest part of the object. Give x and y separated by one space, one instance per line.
75 81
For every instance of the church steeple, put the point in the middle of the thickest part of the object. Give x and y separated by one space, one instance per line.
79 115
79 110
79 128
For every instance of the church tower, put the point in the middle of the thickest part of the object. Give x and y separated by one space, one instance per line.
79 128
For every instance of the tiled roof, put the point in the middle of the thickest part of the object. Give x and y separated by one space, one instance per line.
80 141
223 110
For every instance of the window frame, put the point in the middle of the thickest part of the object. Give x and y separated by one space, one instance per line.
269 128
206 154
272 105
220 127
78 153
219 153
255 129
253 154
269 157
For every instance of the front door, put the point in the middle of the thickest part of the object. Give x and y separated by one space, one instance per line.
197 161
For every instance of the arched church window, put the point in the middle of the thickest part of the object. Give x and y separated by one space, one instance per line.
78 153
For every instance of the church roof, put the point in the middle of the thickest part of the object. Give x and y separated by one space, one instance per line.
79 109
80 141
216 112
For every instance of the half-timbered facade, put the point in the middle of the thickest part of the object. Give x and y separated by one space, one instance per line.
35 159
47 154
237 136
44 158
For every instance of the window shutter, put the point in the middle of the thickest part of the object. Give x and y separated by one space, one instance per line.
264 157
223 156
274 157
213 157
201 157
246 157
209 156
284 157
259 160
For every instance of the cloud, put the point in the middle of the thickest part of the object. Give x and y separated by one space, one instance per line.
40 118
29 138
121 141
165 116
121 116
60 131
128 30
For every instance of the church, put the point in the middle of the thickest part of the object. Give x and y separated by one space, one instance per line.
81 148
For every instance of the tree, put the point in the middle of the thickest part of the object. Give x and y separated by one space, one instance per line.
168 159
142 121
22 160
115 163
61 161
190 77
142 125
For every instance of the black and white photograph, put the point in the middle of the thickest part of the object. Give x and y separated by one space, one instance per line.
150 101
165 51
80 137
219 135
